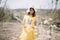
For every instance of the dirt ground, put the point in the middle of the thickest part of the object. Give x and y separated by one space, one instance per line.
12 31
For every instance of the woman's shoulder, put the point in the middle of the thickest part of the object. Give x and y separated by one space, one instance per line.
25 15
36 17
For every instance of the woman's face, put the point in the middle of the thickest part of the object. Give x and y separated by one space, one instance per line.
31 11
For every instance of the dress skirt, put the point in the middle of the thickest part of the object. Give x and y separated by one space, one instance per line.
27 34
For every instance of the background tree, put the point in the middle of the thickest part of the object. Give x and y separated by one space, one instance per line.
55 12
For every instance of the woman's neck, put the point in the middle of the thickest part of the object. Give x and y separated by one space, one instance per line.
31 15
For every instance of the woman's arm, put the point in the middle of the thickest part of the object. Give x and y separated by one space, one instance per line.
19 20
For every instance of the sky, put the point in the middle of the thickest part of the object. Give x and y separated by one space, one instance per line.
38 4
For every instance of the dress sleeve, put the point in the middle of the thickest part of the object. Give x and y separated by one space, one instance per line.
24 19
36 22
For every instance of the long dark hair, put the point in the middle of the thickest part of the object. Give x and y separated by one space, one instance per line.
33 14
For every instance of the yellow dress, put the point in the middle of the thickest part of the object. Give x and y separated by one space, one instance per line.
28 32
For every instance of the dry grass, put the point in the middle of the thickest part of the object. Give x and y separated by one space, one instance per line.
12 31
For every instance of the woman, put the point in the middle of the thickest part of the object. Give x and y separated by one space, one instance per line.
29 23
